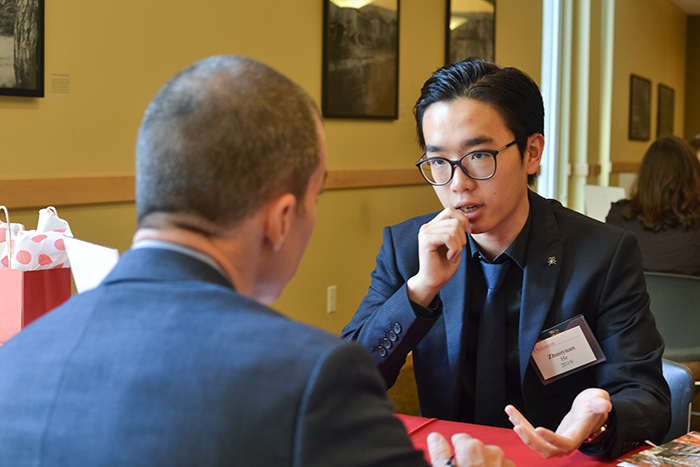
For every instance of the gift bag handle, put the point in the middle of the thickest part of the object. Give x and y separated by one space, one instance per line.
8 237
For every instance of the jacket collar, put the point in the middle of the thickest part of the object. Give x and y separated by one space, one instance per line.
159 265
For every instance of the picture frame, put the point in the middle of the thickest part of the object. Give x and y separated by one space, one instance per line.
470 30
640 109
22 74
665 110
360 59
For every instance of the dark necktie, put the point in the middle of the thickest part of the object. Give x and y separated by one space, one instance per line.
490 396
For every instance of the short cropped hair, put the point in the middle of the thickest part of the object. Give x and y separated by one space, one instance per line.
513 94
667 190
220 139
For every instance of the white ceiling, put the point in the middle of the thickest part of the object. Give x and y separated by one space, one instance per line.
691 7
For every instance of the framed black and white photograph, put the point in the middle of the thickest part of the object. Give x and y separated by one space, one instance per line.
22 48
640 109
360 59
664 121
471 30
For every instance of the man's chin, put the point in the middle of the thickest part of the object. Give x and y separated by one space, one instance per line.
477 229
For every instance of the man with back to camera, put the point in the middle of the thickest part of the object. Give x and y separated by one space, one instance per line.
173 360
528 265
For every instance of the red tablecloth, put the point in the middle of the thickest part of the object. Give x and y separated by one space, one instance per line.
419 429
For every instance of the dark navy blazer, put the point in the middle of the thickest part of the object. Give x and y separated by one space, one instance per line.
598 274
166 364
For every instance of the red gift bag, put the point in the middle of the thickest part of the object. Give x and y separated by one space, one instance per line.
26 295
34 277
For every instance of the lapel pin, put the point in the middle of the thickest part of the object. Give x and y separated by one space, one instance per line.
551 261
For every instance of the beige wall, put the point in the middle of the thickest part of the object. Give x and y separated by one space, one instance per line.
117 55
650 41
519 35
692 79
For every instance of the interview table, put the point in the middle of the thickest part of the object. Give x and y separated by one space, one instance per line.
419 428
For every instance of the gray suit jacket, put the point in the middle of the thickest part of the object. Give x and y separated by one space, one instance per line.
165 364
598 274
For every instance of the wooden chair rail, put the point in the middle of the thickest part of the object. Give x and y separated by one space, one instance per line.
41 192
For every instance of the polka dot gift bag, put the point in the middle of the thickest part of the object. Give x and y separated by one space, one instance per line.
34 270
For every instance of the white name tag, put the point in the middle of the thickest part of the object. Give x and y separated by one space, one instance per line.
563 352
571 347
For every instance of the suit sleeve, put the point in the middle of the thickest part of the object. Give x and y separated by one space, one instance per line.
387 322
345 418
633 347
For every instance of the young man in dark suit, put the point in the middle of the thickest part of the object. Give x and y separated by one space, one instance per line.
476 341
174 360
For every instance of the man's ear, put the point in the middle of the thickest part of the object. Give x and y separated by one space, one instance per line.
533 153
281 212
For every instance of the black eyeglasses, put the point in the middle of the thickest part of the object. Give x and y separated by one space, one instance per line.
477 165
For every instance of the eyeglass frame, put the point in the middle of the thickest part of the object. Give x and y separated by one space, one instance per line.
458 163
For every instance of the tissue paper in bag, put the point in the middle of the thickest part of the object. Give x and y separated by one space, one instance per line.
42 248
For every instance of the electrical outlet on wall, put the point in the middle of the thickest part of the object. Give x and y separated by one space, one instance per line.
331 299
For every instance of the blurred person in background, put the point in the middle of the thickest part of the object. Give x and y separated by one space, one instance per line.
663 211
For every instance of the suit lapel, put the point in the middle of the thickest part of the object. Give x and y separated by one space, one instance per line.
544 255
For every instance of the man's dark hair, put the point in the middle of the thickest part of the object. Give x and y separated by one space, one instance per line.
513 94
221 138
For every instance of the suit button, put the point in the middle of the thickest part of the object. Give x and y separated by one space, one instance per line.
386 343
381 351
397 328
392 336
